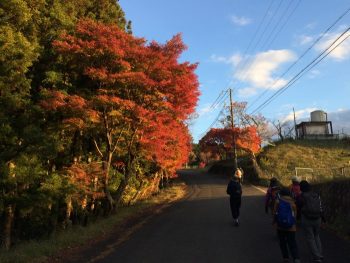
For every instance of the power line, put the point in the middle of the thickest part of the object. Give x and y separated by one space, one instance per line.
297 77
218 97
311 65
256 32
284 14
221 104
223 98
248 65
241 65
300 57
213 123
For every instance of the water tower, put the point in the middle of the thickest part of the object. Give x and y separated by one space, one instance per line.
318 128
318 116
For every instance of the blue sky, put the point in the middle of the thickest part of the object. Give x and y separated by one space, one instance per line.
247 45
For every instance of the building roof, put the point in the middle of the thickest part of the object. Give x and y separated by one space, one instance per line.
312 123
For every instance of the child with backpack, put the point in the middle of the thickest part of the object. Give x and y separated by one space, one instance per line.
285 219
271 195
311 217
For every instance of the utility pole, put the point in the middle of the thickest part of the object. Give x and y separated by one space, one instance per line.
233 133
295 126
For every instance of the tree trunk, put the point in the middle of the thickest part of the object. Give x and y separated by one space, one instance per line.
257 170
69 210
110 200
7 232
161 185
137 194
124 183
156 183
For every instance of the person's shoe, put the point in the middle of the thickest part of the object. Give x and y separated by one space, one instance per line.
318 260
285 260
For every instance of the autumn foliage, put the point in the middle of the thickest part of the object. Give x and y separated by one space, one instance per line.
111 114
132 98
220 141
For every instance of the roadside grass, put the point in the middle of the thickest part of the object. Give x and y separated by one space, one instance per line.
280 161
324 157
42 250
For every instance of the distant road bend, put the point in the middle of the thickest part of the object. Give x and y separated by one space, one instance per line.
200 229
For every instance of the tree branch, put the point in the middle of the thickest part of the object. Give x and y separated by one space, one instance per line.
98 149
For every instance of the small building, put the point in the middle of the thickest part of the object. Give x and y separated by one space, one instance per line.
318 128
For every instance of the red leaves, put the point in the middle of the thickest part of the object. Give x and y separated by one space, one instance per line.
217 140
85 178
132 84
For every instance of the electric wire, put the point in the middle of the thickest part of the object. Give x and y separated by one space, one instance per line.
285 23
257 31
223 97
218 97
222 104
242 63
300 57
267 42
297 77
311 65
248 63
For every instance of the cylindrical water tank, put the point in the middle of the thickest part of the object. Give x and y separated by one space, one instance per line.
318 115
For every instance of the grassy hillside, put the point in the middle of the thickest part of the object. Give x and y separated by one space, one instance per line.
324 157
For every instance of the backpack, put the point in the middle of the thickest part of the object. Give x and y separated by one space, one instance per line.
311 205
284 215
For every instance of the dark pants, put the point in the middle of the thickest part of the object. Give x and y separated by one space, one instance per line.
287 240
235 204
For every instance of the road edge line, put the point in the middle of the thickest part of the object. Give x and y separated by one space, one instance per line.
258 188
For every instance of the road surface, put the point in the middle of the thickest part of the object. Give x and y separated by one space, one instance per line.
200 229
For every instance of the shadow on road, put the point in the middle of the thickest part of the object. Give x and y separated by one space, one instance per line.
200 229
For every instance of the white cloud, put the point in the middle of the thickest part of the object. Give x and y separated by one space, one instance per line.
205 110
262 68
216 58
340 120
240 21
311 26
233 60
299 114
314 73
304 40
342 52
247 92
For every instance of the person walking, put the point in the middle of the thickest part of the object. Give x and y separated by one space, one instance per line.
296 194
239 174
234 189
271 195
284 218
311 218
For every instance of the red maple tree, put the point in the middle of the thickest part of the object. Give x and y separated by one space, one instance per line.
133 97
220 140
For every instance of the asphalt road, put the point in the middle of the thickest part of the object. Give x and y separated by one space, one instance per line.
200 229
